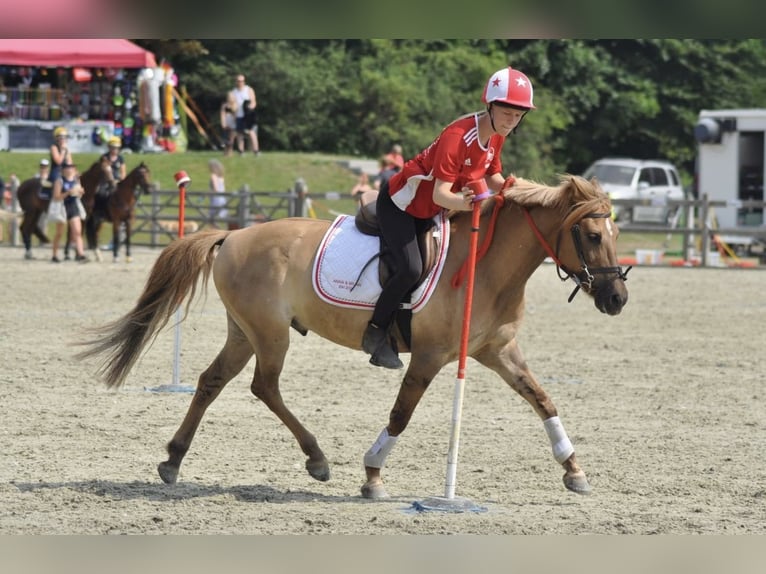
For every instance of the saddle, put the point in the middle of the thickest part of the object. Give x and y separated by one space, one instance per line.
366 221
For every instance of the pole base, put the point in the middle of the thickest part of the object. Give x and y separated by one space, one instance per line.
443 504
173 388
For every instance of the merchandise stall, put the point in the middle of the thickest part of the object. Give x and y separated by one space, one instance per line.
96 88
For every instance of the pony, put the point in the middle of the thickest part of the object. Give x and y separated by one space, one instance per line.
34 208
263 275
117 207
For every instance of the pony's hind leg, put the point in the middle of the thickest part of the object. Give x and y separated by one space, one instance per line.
509 363
271 349
229 362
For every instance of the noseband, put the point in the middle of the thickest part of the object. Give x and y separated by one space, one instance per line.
586 276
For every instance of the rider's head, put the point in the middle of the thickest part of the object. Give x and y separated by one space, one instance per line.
60 133
509 96
115 142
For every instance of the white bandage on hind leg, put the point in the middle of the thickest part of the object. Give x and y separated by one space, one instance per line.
376 456
562 447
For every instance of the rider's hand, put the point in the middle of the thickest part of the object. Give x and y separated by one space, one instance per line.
468 196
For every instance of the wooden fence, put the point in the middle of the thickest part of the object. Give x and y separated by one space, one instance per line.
156 221
695 219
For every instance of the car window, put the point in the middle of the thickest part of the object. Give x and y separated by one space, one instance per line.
674 178
614 174
659 177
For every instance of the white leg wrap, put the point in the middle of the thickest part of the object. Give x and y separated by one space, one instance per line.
376 456
562 447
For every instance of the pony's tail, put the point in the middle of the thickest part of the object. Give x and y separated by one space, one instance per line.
173 277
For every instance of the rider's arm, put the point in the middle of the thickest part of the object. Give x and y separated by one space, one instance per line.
444 197
58 155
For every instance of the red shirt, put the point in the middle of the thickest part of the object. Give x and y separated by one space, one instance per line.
456 156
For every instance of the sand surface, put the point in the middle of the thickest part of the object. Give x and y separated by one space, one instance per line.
664 404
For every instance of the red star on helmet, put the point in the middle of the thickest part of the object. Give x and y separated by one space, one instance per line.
495 82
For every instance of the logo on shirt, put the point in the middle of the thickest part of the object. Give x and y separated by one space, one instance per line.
490 157
468 161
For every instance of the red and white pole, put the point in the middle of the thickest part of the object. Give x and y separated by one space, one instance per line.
182 180
481 192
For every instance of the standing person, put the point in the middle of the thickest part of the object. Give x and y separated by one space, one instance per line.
113 166
245 118
435 180
229 124
59 155
217 186
68 189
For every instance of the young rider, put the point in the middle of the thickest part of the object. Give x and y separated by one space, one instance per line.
112 165
435 180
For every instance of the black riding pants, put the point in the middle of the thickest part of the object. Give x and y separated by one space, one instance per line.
400 232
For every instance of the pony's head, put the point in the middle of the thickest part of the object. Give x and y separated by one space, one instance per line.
142 177
585 246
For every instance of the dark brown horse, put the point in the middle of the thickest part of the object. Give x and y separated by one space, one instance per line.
263 275
118 207
34 208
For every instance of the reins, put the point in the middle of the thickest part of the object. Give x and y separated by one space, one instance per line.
589 274
577 240
458 277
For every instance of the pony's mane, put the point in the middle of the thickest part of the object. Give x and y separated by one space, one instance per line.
575 197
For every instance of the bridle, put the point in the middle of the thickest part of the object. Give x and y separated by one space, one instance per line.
586 276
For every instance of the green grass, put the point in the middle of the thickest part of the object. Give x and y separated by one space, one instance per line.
273 172
270 172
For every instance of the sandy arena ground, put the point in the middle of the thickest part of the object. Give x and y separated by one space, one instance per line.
664 404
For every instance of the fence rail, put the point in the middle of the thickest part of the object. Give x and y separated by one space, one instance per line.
157 215
698 221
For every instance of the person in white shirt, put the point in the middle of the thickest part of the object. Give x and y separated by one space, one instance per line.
245 118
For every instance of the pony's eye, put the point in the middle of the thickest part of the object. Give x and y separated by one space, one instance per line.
595 237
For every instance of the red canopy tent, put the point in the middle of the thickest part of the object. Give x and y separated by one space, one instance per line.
86 53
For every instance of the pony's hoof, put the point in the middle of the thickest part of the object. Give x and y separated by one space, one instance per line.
168 473
577 482
374 490
318 469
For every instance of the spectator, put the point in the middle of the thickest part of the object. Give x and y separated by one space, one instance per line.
245 114
43 172
388 168
435 181
362 187
396 157
68 191
112 166
229 124
217 186
59 155
43 169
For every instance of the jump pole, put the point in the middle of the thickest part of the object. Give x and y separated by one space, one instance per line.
449 502
182 180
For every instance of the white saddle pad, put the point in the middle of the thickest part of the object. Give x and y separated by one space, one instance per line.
343 253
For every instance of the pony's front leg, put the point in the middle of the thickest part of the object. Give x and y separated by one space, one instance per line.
413 386
128 258
116 240
509 363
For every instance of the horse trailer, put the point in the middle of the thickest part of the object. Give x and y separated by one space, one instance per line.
731 162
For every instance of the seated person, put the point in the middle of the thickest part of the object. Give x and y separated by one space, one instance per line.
113 167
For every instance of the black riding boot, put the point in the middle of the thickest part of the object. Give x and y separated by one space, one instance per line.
376 343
